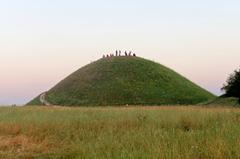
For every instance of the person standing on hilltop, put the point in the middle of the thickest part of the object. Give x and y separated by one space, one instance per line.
120 52
130 53
116 53
126 53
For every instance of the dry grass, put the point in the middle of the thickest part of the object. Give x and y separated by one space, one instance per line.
119 132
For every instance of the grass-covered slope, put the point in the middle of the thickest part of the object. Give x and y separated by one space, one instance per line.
126 80
223 101
36 101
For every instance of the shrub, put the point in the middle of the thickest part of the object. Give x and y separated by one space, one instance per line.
232 87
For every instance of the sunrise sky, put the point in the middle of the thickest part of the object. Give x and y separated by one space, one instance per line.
41 42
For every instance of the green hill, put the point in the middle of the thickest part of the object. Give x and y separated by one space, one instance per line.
125 80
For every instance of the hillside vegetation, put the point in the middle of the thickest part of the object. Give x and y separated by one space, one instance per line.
119 133
125 80
223 101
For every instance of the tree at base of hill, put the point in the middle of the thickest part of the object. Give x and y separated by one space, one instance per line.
232 86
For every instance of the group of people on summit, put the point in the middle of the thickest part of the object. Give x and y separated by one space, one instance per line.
119 53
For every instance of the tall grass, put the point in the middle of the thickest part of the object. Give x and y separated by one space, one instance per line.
102 133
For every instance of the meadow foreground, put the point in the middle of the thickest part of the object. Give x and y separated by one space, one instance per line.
114 132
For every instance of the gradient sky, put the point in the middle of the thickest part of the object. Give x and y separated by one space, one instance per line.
41 42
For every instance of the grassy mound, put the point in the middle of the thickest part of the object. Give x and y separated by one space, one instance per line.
35 101
125 80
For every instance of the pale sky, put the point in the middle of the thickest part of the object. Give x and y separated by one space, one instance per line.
41 42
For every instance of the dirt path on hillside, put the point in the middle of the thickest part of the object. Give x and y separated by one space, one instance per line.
43 100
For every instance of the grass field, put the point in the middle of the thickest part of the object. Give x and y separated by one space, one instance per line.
112 132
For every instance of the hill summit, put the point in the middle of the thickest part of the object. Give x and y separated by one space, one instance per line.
124 81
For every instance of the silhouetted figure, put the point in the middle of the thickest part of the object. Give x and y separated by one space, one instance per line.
107 56
119 52
134 54
116 53
130 53
126 53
